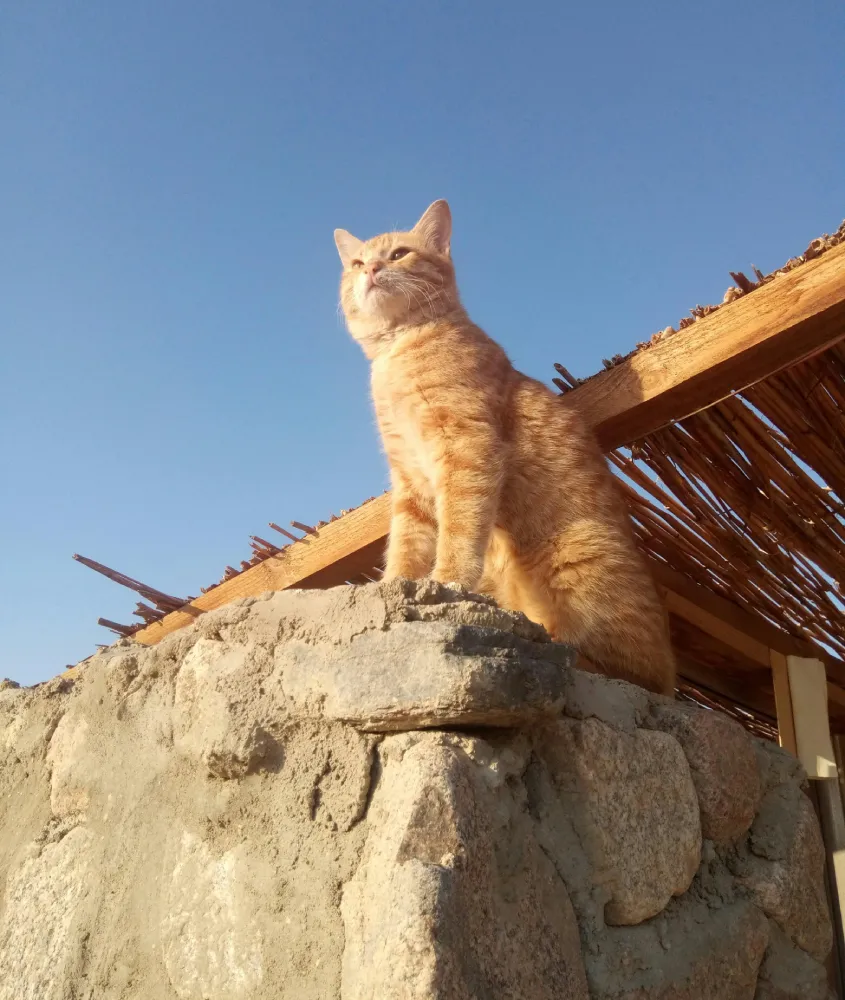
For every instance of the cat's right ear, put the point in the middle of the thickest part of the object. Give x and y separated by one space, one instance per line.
348 246
435 226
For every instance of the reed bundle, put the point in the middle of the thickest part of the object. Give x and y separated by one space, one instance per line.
747 498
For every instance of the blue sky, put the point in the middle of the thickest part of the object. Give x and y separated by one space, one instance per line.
174 374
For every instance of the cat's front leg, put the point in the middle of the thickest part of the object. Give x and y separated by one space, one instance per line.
467 499
413 534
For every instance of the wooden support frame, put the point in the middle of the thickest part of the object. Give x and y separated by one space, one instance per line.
749 634
805 682
827 800
808 689
783 702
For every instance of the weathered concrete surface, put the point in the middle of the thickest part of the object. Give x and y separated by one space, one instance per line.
783 869
232 815
154 877
788 973
658 960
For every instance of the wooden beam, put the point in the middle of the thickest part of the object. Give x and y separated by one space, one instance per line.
330 556
708 622
354 567
354 544
750 634
793 317
827 798
816 751
741 690
718 656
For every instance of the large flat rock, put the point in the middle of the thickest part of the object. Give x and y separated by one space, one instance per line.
417 675
724 767
784 869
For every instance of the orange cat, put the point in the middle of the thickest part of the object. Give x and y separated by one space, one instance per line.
497 485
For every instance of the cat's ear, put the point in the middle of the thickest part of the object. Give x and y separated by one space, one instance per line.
348 246
435 227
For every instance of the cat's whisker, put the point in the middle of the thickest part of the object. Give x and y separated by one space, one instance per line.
417 300
424 287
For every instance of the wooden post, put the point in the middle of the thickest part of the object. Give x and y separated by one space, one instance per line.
801 699
811 723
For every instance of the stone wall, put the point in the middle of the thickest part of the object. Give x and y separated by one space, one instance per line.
392 791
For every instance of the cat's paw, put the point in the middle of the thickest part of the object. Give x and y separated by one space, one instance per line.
454 585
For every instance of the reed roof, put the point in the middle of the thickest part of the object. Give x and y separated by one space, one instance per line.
747 496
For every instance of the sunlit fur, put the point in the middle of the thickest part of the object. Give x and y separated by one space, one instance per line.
497 485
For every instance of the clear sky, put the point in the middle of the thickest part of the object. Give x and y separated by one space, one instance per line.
173 372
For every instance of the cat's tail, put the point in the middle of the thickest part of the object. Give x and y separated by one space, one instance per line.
595 592
651 664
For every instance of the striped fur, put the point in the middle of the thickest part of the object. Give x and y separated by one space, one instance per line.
496 485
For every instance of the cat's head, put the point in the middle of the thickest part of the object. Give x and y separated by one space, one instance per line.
398 279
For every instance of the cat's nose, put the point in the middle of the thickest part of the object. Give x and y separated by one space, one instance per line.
373 266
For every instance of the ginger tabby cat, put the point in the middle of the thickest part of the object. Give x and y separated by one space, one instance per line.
497 486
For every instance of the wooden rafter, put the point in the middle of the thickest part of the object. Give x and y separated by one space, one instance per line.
793 317
333 554
750 634
359 548
754 639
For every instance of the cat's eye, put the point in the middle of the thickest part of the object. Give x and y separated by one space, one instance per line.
399 253
357 263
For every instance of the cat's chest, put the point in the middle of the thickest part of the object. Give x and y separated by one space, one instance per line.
404 421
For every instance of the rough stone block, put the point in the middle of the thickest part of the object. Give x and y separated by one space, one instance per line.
68 758
40 941
617 703
777 766
638 812
696 953
454 900
207 903
724 767
340 614
220 721
337 864
788 973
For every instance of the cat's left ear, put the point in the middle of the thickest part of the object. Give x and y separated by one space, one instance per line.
435 227
348 246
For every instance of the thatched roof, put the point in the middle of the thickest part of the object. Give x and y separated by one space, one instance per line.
747 497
